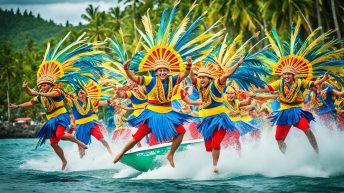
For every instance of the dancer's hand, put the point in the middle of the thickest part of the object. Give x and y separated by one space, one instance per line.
126 64
115 88
189 60
24 85
326 76
13 106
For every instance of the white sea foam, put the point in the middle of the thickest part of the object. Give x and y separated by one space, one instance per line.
259 157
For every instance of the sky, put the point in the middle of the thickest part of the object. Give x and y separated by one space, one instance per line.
58 10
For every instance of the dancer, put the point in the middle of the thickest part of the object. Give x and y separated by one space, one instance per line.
323 99
212 74
215 121
158 111
239 116
293 61
51 98
55 67
165 55
83 107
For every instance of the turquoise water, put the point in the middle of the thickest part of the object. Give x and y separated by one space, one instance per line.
260 168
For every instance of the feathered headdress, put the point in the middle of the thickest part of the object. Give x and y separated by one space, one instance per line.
92 89
306 59
168 48
57 64
225 55
207 69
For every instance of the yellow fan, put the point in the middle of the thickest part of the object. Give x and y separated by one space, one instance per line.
93 90
209 70
160 56
299 64
49 71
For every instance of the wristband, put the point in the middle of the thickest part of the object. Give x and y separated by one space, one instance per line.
188 66
126 68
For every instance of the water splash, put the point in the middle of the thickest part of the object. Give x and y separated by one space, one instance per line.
258 157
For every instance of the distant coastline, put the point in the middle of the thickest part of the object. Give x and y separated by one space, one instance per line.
18 131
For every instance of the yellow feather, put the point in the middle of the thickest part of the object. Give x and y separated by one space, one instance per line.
273 44
294 35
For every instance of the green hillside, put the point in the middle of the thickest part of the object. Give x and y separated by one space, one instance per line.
17 28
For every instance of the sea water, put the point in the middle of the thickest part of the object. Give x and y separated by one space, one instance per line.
260 167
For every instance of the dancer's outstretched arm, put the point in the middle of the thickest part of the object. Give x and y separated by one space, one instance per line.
188 101
129 73
323 79
261 96
23 105
186 73
338 93
123 106
246 102
118 93
192 76
51 94
265 89
224 77
104 102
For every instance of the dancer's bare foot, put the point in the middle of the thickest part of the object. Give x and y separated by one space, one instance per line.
170 159
83 145
216 170
64 164
118 157
82 153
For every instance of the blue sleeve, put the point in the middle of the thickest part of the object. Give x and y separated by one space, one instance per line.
175 80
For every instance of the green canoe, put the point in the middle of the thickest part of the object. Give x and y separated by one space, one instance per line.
144 159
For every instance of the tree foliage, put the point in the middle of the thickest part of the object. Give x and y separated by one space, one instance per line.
24 36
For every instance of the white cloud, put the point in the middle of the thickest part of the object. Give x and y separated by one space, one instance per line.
61 12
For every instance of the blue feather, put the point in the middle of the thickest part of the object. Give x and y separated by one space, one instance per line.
187 35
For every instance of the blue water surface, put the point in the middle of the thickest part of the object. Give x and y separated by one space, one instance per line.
16 178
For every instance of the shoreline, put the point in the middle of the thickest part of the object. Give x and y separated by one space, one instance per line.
18 131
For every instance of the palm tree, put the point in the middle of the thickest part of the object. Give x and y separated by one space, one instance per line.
116 18
96 28
134 7
7 70
91 13
96 21
242 14
335 20
282 13
318 3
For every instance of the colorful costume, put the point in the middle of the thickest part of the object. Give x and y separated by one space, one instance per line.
240 117
290 112
56 66
85 123
340 113
323 103
168 49
215 121
305 60
58 118
192 126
